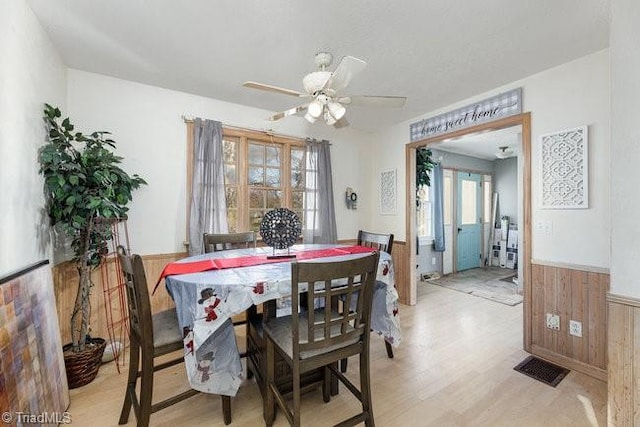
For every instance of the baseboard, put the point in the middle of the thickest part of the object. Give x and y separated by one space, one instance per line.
568 363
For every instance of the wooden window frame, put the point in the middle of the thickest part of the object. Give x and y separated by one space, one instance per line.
244 136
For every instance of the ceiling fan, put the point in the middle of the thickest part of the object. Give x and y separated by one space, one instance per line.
324 90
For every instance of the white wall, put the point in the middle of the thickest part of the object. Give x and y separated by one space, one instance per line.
459 161
569 95
147 125
505 183
625 147
31 74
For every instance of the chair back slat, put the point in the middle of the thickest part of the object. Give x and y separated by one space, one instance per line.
330 282
138 302
222 242
378 241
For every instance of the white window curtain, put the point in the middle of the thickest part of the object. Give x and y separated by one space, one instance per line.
208 202
319 210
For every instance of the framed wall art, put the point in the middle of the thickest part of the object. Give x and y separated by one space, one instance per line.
565 169
33 379
388 192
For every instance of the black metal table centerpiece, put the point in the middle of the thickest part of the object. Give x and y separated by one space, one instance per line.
280 229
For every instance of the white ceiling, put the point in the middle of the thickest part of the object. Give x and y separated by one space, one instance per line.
485 145
434 52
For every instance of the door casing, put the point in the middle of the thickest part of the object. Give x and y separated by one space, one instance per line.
523 120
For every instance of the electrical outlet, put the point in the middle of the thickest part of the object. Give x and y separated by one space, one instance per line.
433 260
553 321
575 328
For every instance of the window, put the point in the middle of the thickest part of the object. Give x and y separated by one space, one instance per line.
262 173
487 198
425 212
468 202
425 206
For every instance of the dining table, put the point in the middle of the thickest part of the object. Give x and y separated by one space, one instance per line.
209 289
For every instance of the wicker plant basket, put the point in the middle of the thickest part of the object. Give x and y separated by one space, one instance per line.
82 367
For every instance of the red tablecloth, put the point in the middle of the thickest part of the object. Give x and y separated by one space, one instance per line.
246 261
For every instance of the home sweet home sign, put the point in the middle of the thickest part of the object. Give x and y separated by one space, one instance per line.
503 105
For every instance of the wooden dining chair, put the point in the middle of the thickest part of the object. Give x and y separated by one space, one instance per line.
221 242
151 336
310 339
380 242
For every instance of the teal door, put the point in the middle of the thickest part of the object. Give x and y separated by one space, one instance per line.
468 221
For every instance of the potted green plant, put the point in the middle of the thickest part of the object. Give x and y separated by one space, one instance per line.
424 165
85 190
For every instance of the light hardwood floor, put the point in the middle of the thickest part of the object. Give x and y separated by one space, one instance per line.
453 368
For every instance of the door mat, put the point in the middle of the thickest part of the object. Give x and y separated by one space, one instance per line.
542 371
484 283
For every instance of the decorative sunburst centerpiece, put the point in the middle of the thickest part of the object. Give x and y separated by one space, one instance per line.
280 229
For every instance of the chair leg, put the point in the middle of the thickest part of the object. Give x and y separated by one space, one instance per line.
146 390
269 409
326 384
226 409
248 350
134 360
295 373
365 389
343 362
389 349
247 345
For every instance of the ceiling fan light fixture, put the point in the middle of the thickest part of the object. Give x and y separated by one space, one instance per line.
315 108
324 92
336 110
329 119
310 118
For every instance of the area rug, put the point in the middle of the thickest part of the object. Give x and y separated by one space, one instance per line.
542 371
484 283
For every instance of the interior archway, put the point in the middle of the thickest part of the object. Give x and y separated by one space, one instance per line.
524 120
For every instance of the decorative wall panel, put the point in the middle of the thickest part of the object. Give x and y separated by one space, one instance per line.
388 194
565 175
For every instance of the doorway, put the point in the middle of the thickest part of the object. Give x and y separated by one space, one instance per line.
523 120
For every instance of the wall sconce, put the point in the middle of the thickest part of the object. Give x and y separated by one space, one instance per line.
351 199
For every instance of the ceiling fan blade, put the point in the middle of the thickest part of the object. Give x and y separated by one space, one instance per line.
373 101
289 112
341 123
344 72
270 88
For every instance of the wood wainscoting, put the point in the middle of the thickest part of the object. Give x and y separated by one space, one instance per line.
574 293
65 280
624 360
399 257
